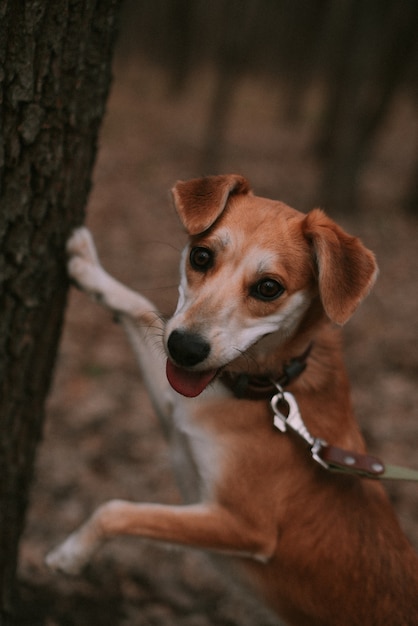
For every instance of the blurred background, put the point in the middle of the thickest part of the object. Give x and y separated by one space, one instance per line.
337 75
316 104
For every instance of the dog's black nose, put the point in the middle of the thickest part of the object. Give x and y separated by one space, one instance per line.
187 349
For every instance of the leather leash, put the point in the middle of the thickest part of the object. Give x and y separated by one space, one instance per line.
287 417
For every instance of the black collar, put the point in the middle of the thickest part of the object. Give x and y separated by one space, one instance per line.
262 387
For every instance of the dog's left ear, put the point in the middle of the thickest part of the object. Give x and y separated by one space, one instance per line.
346 269
200 201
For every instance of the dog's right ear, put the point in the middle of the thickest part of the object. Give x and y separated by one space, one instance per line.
200 201
346 270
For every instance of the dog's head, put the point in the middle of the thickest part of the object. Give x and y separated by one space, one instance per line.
251 275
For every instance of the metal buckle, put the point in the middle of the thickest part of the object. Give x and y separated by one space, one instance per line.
318 445
293 421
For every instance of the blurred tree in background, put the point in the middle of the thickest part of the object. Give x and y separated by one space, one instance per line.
353 57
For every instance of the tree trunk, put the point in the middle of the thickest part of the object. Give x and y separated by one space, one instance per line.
55 58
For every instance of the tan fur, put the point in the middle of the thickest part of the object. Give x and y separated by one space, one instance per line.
322 549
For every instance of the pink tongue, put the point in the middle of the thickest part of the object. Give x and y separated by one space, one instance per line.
189 384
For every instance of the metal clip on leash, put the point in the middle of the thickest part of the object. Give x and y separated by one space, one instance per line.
332 458
287 416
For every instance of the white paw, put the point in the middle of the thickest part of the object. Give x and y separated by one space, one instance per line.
81 244
70 557
83 263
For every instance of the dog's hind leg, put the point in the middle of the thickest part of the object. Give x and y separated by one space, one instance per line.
207 526
138 316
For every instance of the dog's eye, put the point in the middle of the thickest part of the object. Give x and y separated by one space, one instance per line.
267 289
201 259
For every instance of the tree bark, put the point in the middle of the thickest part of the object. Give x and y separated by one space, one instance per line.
55 58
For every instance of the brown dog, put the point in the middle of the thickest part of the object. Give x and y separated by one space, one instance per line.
261 288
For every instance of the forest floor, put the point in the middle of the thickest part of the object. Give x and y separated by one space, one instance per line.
101 438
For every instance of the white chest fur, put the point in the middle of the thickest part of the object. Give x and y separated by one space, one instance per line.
197 452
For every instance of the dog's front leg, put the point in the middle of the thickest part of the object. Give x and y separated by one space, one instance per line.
85 269
206 526
141 321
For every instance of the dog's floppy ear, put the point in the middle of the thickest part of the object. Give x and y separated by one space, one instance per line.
346 269
200 201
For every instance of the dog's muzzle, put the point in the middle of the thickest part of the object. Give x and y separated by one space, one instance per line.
187 349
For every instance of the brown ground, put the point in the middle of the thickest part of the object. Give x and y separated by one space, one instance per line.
101 437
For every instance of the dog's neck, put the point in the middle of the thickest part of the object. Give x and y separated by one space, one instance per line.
264 387
316 343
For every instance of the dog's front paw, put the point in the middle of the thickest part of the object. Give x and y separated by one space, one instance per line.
83 264
81 245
